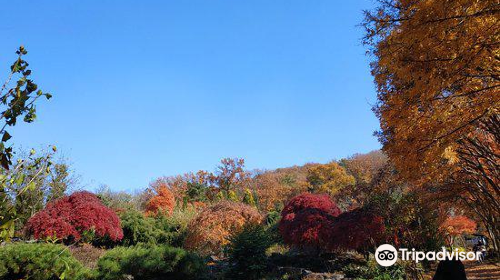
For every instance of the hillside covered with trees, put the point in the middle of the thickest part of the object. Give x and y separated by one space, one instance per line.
433 185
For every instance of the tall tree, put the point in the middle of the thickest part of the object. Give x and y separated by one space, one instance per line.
437 71
230 174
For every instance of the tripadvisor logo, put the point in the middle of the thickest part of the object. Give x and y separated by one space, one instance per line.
387 255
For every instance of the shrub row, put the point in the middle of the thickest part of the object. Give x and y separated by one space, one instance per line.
150 262
54 261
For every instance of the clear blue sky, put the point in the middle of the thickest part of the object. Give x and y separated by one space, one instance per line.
150 88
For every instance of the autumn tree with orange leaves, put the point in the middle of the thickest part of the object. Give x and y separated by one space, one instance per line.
230 174
162 202
436 67
275 188
456 226
365 169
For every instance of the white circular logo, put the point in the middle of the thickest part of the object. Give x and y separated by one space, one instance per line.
386 255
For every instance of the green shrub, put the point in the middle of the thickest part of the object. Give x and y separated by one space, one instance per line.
169 230
247 253
39 262
272 218
160 229
150 262
173 228
137 228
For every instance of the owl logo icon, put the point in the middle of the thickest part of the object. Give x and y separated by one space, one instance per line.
386 255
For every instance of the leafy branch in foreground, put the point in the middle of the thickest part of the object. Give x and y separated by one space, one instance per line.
17 101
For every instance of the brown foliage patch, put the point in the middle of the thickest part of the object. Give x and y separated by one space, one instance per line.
208 232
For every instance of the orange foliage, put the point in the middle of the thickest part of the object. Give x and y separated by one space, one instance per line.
365 168
275 188
209 231
230 174
436 72
163 201
178 185
455 226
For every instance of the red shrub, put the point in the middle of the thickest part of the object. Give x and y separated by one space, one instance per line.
311 201
306 221
356 230
70 216
310 228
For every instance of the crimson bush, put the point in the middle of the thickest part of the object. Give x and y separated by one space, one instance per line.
357 230
307 219
74 215
311 201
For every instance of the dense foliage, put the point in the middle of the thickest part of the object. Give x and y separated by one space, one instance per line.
274 188
357 230
137 228
70 217
436 70
306 221
308 201
212 227
39 262
456 226
328 178
162 202
247 253
435 65
150 262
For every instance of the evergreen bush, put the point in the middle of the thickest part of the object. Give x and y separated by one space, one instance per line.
40 262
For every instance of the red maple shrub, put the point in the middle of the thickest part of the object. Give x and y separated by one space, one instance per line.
356 230
71 216
307 219
311 201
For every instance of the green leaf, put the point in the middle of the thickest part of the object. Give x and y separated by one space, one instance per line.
31 186
7 230
20 179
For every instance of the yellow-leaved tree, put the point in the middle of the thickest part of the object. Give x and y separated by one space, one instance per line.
328 178
436 65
